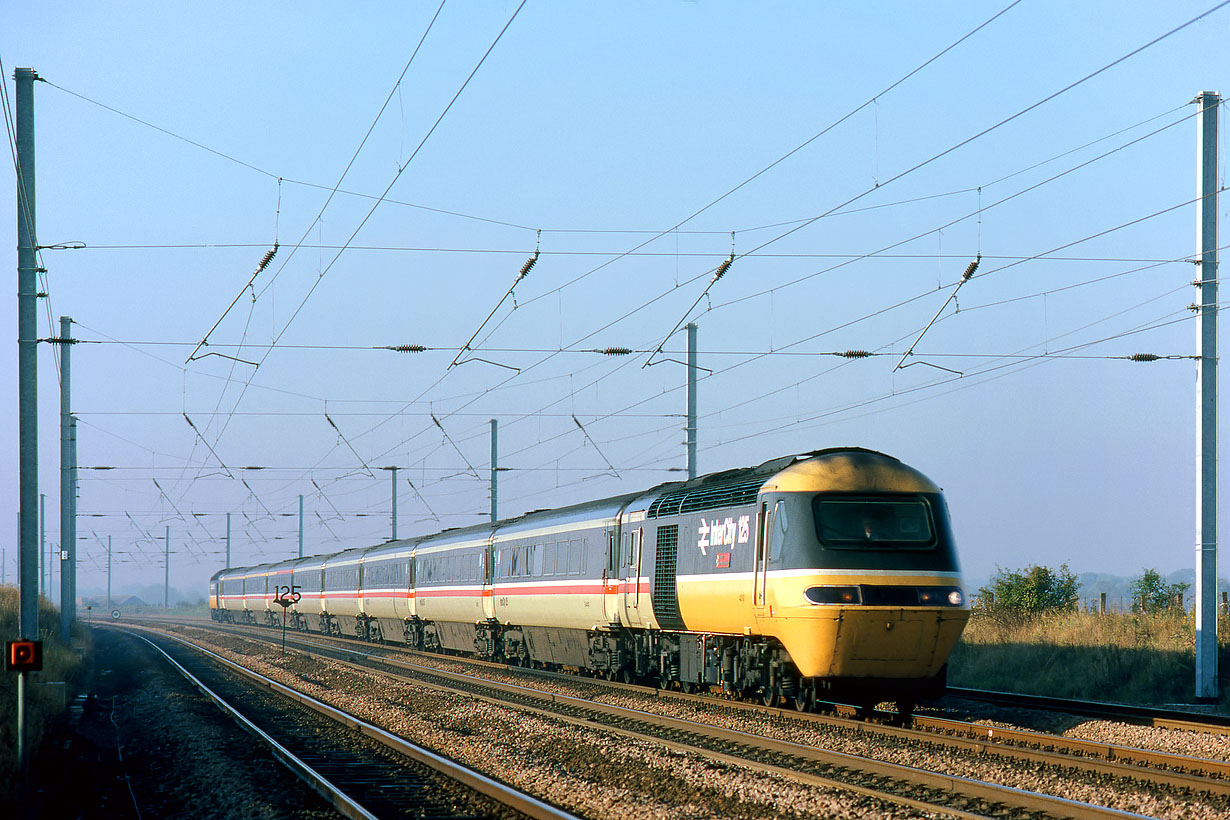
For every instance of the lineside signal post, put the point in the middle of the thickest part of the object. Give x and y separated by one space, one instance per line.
23 656
284 596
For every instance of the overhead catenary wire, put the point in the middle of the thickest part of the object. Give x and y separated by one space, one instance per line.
916 166
607 252
1026 357
1132 222
981 209
275 175
453 444
346 441
959 145
401 169
968 380
1102 233
329 199
590 439
1095 160
206 443
965 277
871 100
525 269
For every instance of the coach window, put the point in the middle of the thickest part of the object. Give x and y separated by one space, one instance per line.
574 557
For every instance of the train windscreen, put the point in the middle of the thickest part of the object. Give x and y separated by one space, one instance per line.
851 522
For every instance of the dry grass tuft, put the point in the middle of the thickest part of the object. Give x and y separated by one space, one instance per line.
1130 658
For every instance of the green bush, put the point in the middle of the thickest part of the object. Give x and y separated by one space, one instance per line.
1017 594
1151 593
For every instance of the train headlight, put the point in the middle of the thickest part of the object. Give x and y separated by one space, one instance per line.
956 598
833 595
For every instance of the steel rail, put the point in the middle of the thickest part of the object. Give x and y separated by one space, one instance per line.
500 792
316 781
954 784
1158 768
1124 712
1131 757
1146 765
1168 769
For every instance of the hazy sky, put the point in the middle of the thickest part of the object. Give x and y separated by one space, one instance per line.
624 142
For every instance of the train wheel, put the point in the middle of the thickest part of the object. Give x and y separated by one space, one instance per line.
771 696
804 696
905 709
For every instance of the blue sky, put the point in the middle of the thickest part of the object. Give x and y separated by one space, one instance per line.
605 127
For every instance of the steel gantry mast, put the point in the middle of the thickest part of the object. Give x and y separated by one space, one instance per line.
1206 403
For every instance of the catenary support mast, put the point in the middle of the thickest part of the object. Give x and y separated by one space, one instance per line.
495 453
393 513
42 544
1206 415
68 484
691 400
27 364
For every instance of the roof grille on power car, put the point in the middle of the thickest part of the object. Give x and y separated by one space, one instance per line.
706 498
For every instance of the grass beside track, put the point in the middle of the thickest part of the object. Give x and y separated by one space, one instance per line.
47 692
1130 658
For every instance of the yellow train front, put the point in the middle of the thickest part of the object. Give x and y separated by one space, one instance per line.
829 576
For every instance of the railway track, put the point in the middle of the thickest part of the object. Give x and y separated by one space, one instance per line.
1125 760
361 770
1126 713
1109 770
